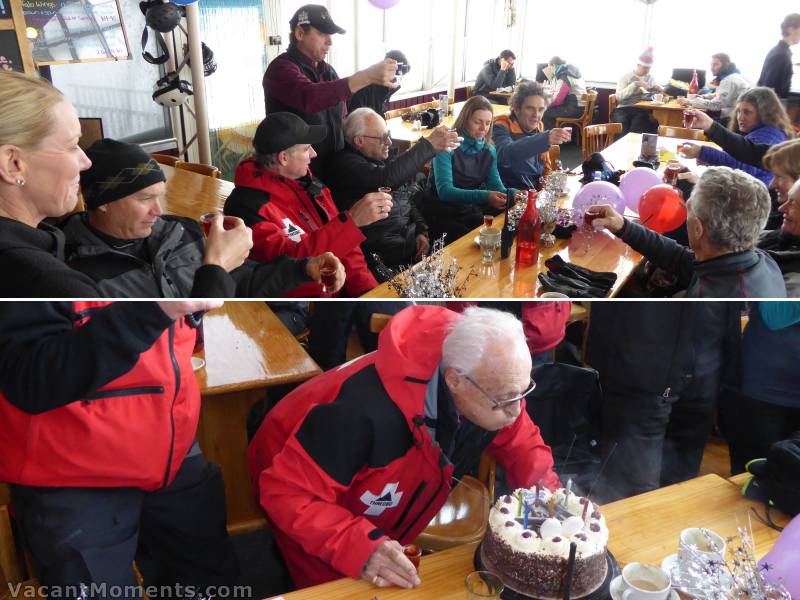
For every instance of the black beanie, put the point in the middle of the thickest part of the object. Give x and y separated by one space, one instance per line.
118 170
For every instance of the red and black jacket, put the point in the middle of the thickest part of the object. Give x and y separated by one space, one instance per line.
347 460
297 218
93 395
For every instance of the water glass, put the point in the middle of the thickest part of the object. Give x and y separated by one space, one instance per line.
489 240
482 585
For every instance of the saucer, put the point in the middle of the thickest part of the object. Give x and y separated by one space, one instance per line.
616 588
197 363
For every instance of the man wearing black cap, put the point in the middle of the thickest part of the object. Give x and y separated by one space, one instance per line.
131 249
301 82
291 212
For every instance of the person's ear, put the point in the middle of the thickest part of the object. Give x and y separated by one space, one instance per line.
698 229
12 165
283 158
452 378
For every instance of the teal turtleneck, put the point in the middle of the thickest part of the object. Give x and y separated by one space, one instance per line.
443 174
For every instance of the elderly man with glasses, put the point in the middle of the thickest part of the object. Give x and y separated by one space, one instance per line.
356 462
364 166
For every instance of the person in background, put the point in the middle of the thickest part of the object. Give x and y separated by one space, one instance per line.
636 86
778 69
114 471
522 144
783 244
496 73
131 249
726 213
376 96
760 117
568 90
301 82
40 166
292 213
364 166
766 408
381 441
728 85
660 366
464 184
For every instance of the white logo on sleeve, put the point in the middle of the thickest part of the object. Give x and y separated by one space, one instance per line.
292 231
388 498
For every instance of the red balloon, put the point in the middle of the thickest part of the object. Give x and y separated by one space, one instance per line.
662 209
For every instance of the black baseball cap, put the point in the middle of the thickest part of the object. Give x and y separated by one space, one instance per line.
317 16
282 130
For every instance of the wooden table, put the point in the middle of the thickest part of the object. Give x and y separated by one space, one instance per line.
191 195
642 528
666 113
247 349
404 135
606 251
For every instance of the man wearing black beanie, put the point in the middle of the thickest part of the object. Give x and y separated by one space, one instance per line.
131 249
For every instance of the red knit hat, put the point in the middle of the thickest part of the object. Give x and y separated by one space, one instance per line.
646 57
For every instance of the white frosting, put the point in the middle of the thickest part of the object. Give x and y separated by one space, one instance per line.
509 534
497 519
572 525
598 537
556 548
586 547
512 506
530 545
550 528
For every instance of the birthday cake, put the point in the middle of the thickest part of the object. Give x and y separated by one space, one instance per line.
527 543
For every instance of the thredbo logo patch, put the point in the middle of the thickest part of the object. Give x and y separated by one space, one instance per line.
292 231
388 498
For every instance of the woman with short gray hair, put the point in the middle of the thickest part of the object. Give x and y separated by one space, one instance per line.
727 210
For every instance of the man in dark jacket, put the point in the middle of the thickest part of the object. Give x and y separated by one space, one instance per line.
726 213
496 73
778 69
362 167
381 440
113 471
126 244
301 82
660 366
783 244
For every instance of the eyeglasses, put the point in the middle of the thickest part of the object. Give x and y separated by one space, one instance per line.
500 404
386 138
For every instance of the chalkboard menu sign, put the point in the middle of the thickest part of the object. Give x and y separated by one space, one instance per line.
71 31
10 57
15 51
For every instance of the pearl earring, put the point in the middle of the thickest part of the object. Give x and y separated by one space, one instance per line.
20 181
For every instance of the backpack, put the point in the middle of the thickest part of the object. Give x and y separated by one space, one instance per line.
776 479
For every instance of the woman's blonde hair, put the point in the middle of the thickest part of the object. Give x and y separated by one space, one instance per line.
784 159
471 106
769 108
26 106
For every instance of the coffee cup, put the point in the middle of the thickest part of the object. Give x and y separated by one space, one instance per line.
698 546
658 98
644 582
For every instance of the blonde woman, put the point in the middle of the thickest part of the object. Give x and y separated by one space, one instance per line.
464 184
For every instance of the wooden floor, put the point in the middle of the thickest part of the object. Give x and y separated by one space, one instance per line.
716 458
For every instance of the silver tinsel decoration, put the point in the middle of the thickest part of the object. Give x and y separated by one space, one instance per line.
433 277
735 577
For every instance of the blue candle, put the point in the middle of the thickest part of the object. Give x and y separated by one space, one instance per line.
525 521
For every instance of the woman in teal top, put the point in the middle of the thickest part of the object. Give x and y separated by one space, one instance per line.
465 184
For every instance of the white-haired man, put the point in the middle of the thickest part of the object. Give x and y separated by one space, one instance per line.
726 212
441 388
364 165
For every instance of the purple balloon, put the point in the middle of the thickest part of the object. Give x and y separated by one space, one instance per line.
637 182
383 3
598 192
783 559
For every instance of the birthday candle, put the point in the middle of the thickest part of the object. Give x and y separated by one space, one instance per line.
585 508
521 502
525 518
567 491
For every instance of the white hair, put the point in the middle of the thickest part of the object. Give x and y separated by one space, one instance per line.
480 329
355 124
794 189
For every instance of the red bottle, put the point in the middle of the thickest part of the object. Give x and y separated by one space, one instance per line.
528 232
694 86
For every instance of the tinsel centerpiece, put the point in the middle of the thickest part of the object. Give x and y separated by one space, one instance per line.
734 577
434 276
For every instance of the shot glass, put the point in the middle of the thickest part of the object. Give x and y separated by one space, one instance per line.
482 585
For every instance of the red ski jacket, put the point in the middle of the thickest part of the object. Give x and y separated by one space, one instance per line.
297 218
347 460
133 431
